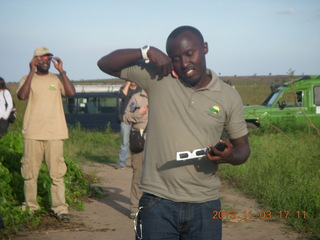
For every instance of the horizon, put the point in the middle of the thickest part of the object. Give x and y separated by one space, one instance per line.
111 78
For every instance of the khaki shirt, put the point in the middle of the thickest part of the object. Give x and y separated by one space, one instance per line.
184 119
44 117
132 116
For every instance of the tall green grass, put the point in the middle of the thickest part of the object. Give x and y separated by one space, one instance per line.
283 173
255 94
95 146
255 89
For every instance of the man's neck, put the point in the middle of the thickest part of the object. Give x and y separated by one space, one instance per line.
42 73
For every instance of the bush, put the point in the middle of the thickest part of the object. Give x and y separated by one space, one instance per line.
11 185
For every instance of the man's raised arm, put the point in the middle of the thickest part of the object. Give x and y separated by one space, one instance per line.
114 62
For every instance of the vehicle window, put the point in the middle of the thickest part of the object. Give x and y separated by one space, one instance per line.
271 98
291 99
82 105
90 105
69 105
317 96
107 105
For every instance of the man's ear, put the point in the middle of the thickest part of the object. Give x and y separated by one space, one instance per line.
205 47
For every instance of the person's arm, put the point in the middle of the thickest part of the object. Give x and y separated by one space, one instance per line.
134 112
125 89
24 90
68 86
114 62
236 152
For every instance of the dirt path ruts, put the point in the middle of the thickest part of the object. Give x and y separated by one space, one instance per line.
107 218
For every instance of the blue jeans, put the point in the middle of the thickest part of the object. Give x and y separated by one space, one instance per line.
124 148
167 220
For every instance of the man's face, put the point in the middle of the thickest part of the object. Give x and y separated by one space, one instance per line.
44 63
187 53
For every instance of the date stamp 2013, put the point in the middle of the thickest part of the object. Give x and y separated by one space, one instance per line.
249 215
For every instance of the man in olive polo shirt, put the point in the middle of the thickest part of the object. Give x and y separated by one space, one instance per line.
188 110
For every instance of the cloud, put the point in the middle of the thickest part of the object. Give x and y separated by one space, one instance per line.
287 11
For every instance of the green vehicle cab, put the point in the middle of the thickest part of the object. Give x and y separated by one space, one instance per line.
297 101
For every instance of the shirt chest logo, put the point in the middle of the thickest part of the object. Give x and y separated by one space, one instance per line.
214 112
52 87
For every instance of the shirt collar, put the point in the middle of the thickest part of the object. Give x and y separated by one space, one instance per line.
214 84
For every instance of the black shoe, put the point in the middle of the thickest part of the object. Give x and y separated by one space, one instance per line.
64 217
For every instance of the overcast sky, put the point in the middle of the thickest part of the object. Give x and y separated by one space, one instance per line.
245 37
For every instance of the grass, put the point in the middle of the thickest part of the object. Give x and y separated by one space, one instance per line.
283 174
95 146
255 89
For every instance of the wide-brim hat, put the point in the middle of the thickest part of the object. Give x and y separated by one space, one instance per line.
41 51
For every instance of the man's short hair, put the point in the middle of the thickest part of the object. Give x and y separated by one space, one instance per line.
176 32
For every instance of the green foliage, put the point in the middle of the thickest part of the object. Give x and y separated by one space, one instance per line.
11 185
283 173
284 125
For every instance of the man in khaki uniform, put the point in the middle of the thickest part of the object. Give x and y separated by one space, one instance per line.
44 129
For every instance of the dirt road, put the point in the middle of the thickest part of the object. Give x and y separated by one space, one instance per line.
107 218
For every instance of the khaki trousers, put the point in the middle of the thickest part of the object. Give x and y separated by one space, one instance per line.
52 151
136 193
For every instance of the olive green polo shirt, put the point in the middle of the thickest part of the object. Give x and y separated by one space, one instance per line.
183 119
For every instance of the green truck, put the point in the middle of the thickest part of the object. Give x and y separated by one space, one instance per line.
297 101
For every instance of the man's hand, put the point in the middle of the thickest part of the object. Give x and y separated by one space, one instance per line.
57 62
162 62
33 64
236 152
220 156
143 110
24 91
